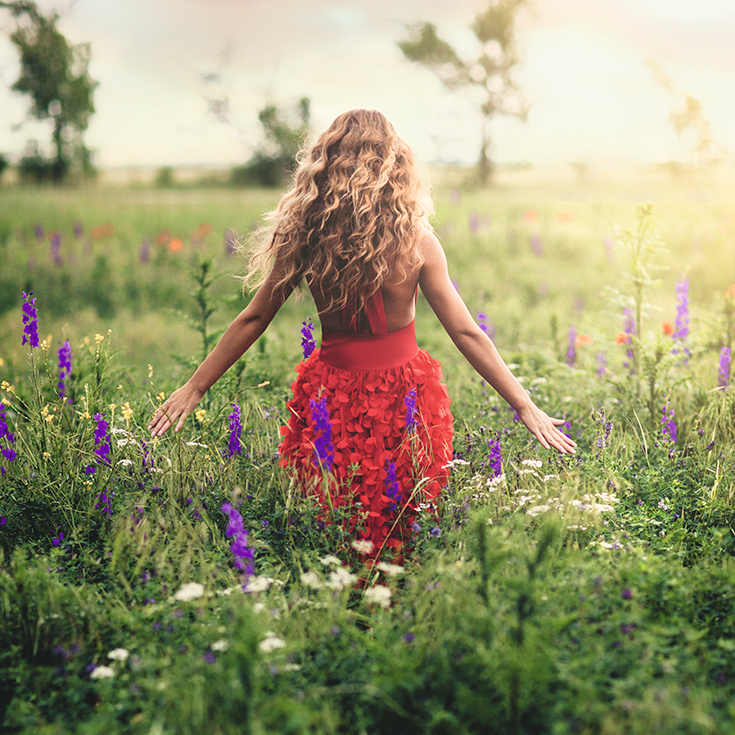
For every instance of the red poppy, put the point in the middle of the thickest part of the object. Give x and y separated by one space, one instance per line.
621 338
668 328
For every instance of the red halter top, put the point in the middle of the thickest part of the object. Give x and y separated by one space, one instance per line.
379 350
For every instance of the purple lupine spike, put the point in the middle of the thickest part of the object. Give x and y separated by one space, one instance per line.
571 358
323 447
30 320
104 502
601 365
38 231
102 439
681 324
481 319
235 447
64 367
668 423
495 458
241 552
307 337
78 229
144 252
7 452
629 329
55 246
56 540
536 246
723 374
410 401
392 486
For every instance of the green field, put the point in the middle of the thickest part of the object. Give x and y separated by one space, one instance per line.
586 594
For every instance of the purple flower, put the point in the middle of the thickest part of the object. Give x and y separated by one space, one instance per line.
30 320
668 423
64 367
626 594
56 540
482 322
144 252
408 637
5 433
241 552
307 337
723 379
78 229
495 458
415 527
101 439
571 358
536 246
435 532
38 231
629 329
104 503
235 431
392 486
323 448
601 364
602 440
55 245
410 401
3 521
681 324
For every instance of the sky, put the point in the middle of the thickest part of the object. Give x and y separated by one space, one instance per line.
592 97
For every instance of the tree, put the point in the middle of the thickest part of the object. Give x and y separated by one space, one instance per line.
274 159
54 74
489 72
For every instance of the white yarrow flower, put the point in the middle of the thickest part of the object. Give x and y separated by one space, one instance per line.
340 578
331 560
258 584
363 546
390 569
196 444
537 510
495 482
102 672
124 462
532 463
311 579
190 591
220 645
271 642
378 595
119 654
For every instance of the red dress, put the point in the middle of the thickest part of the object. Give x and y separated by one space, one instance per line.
383 402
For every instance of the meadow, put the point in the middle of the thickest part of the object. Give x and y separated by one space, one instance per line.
186 584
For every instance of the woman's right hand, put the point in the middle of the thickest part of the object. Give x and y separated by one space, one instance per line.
174 410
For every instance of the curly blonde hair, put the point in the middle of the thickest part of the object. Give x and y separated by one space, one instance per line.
354 215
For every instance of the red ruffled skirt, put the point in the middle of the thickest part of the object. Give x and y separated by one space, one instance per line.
380 470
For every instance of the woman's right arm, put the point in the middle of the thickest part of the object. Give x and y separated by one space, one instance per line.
479 349
245 328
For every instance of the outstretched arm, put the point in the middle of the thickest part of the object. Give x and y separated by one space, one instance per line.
479 349
247 326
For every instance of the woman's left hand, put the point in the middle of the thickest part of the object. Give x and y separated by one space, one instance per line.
175 410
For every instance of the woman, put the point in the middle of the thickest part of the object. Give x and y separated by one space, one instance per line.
370 425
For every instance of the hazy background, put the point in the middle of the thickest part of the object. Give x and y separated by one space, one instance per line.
592 97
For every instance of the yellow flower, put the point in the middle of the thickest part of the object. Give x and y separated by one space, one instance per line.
86 415
119 387
112 407
49 418
98 338
161 396
86 340
44 411
150 371
6 386
127 412
264 383
200 414
2 362
47 455
44 345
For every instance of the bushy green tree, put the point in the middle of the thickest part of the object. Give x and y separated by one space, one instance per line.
54 74
489 71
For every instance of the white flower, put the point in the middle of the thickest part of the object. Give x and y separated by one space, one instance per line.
363 546
119 654
271 642
116 430
539 381
532 463
607 497
549 477
258 584
528 472
102 672
341 578
122 442
537 510
455 463
196 444
190 591
220 645
575 527
390 569
230 590
311 579
331 559
124 462
603 507
378 595
495 482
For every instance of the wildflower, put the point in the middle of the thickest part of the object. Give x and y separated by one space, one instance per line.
583 339
410 402
323 447
64 367
311 579
38 231
126 411
56 540
102 672
119 654
392 570
98 338
30 320
536 245
668 423
144 252
363 546
189 591
104 502
101 439
340 578
629 327
626 594
235 431
495 459
391 486
535 463
241 552
482 322
271 642
723 379
5 433
435 532
331 560
571 358
682 320
258 584
667 328
307 337
378 595
199 414
220 645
